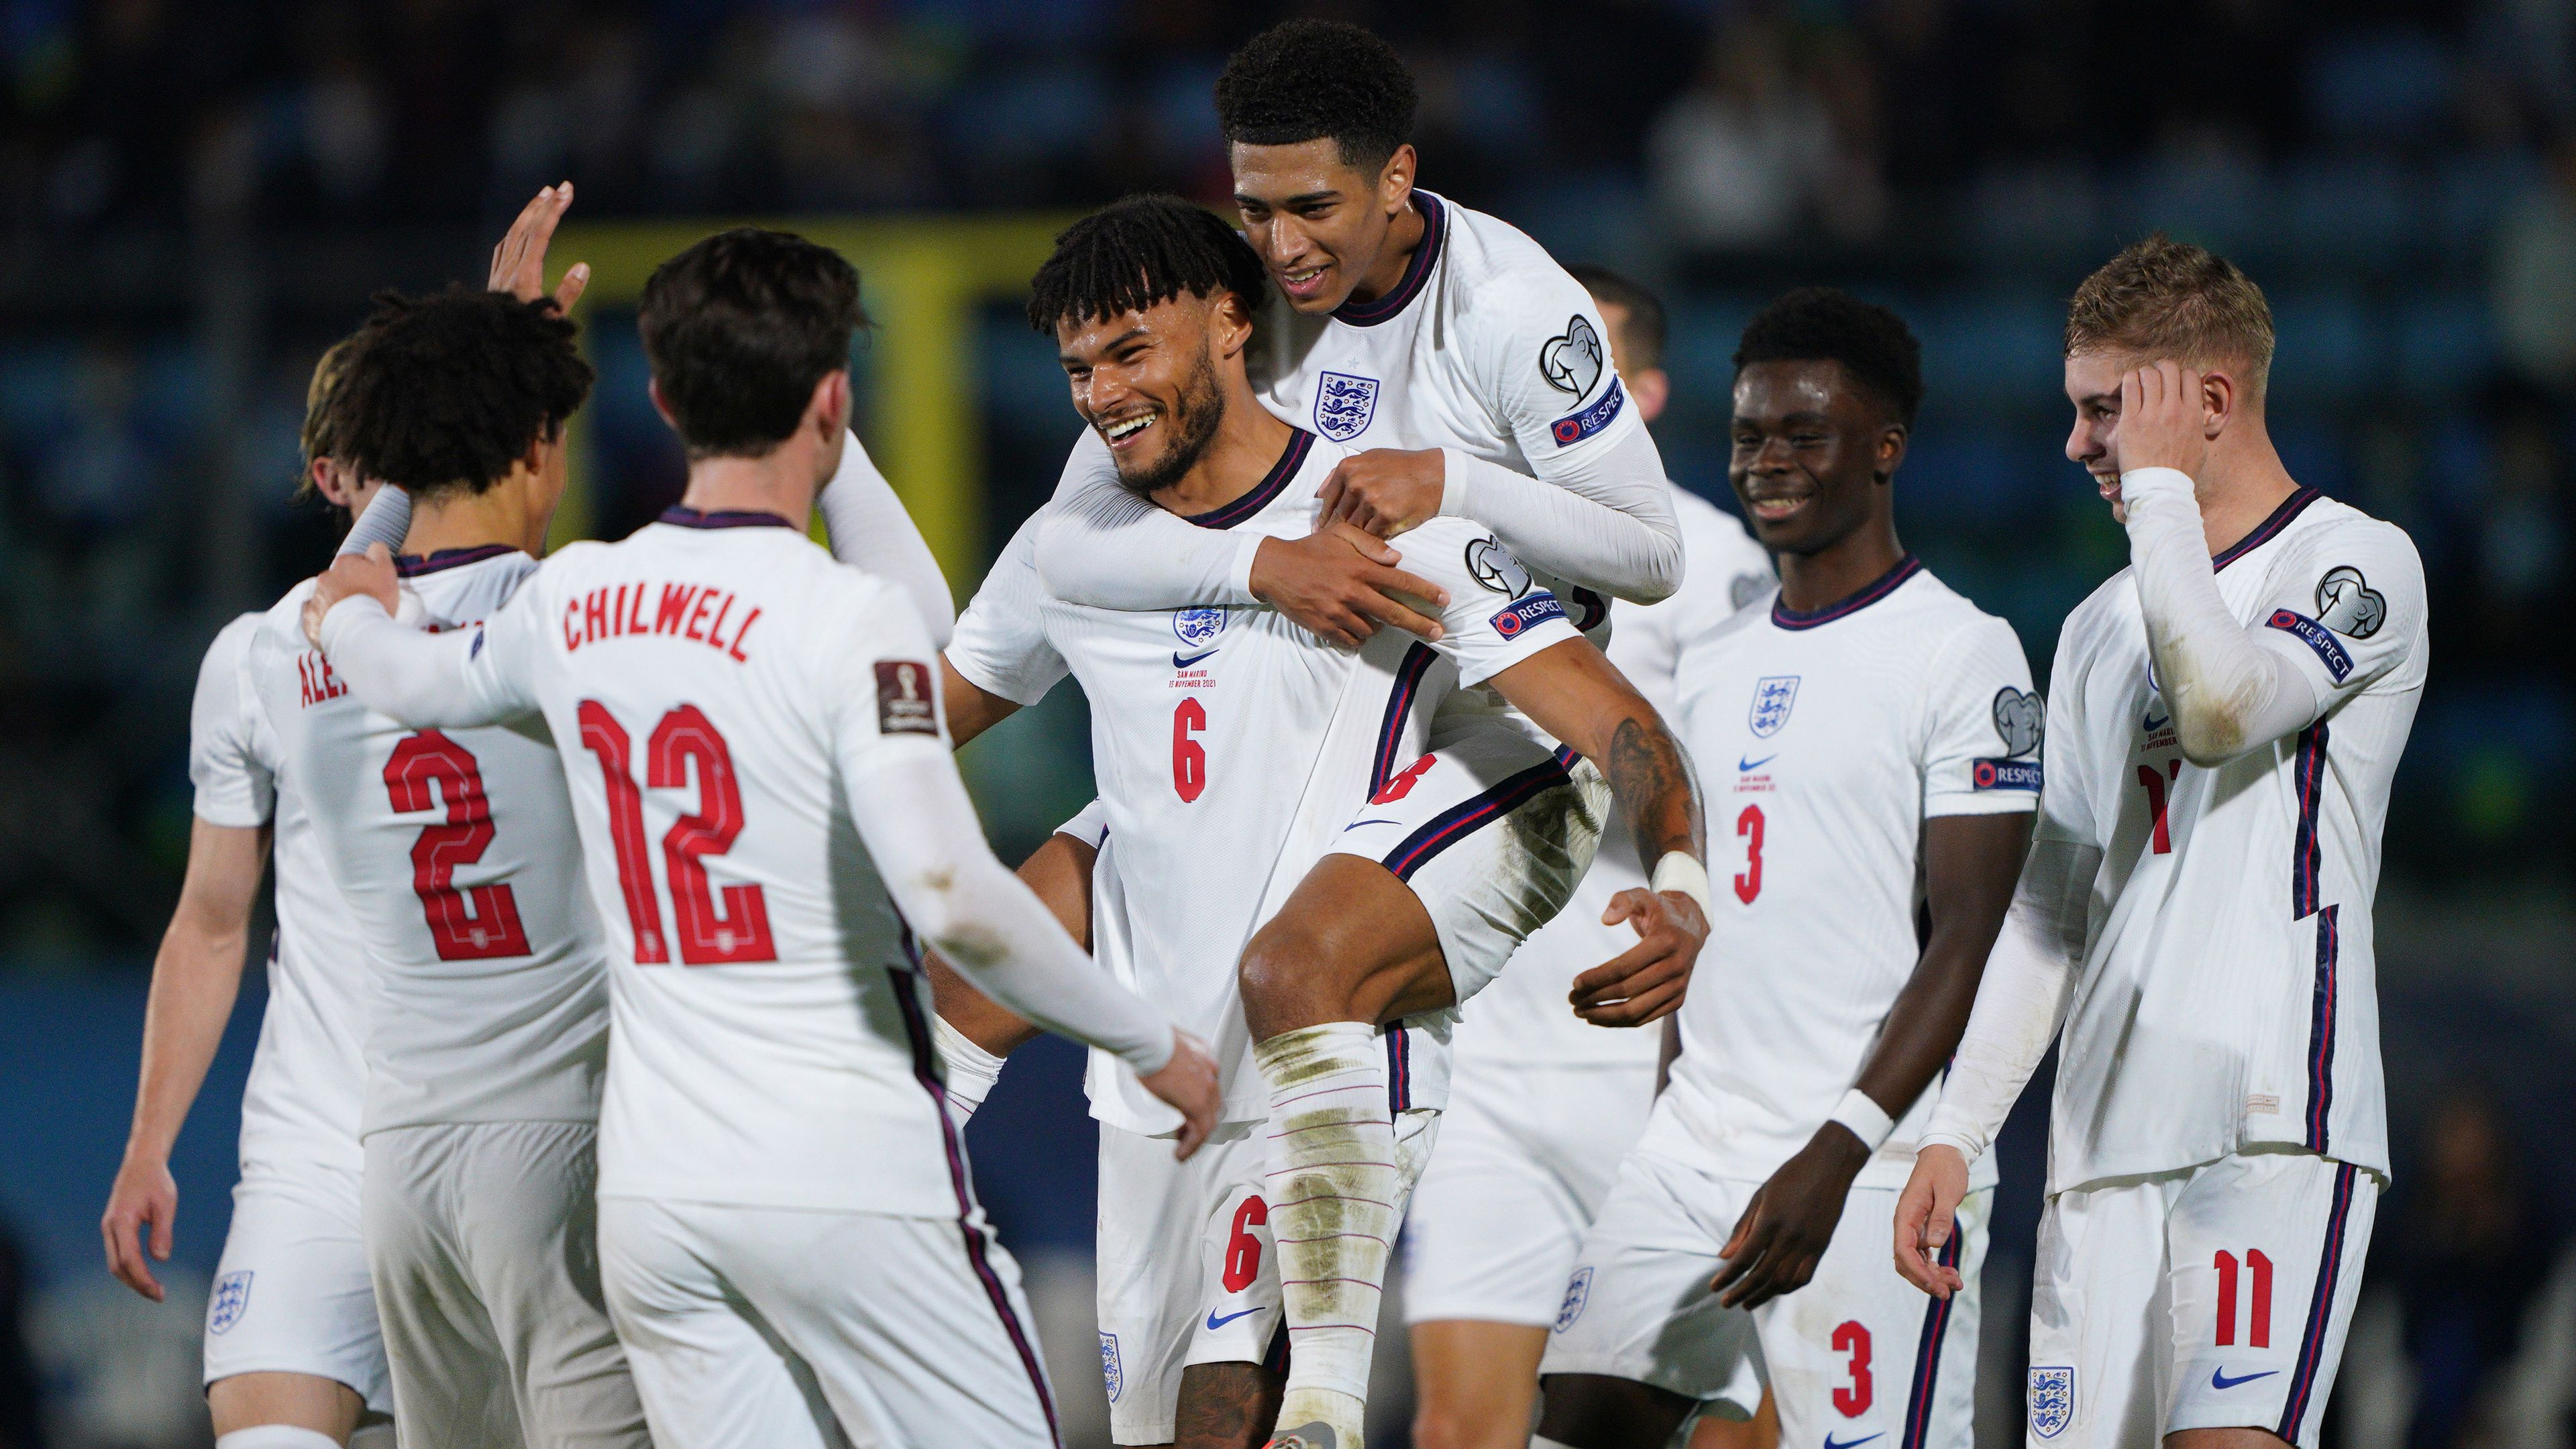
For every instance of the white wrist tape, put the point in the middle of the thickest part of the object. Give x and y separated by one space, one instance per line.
971 1069
1867 1120
1680 874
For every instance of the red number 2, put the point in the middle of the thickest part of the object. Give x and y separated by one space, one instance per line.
684 738
2258 1324
1852 1400
1748 884
2154 784
1243 1250
491 928
1189 757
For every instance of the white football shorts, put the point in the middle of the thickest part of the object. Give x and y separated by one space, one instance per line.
1493 831
291 1291
483 1238
1186 1269
2214 1297
1856 1354
799 1328
1526 1157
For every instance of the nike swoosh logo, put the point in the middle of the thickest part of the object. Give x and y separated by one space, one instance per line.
2218 1378
1184 661
2154 723
1833 1443
1742 763
1216 1322
1356 824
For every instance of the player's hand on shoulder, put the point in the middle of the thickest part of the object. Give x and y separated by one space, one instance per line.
144 1196
1188 1083
1386 490
1926 1216
1790 1221
370 573
1342 584
2163 422
1646 982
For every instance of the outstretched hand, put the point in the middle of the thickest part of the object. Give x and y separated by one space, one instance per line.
370 573
519 260
1188 1082
1644 983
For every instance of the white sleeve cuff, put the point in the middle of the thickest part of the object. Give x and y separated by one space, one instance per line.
1238 578
1867 1120
1453 483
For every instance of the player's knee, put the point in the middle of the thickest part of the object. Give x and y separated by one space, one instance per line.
1454 1425
1595 1411
1283 980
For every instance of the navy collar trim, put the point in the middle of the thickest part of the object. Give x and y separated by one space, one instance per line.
2269 529
1417 273
1886 584
412 565
1300 442
679 516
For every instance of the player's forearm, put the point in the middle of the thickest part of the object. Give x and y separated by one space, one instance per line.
872 531
1606 523
416 678
2029 977
971 708
1650 778
196 978
1971 866
2229 693
1571 691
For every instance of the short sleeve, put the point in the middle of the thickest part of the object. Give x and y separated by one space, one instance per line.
1090 825
886 697
1000 643
2348 611
1547 356
234 785
1982 744
1497 616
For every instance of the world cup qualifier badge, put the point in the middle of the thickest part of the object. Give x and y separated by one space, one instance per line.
2052 1399
904 704
1344 404
231 1301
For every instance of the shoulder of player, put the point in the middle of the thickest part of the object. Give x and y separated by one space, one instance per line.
1938 621
232 643
1499 279
2329 529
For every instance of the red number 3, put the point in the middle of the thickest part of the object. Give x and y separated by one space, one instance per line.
1852 1400
1748 884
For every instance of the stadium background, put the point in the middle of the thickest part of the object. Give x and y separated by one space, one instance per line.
195 197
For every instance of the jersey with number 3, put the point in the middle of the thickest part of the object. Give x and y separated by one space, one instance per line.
713 678
455 852
2228 993
1824 741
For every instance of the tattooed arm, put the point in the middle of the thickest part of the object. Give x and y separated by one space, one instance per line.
1574 693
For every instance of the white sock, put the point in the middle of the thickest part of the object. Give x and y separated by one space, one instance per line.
1333 1188
277 1436
971 1070
386 519
1541 1441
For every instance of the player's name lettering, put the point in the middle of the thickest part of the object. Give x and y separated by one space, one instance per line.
699 613
315 680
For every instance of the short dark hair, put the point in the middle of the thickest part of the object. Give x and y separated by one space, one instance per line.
447 392
739 328
1135 253
1304 79
1646 330
1828 324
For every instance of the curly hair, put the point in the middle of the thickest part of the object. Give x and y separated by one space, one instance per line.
2160 298
446 393
739 329
1136 253
1828 324
1304 79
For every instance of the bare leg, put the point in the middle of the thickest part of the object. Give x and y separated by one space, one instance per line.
1762 1431
1595 1411
1227 1405
1060 872
303 1401
2223 1439
1474 1383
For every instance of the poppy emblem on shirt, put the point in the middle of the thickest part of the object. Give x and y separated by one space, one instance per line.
1344 404
1773 698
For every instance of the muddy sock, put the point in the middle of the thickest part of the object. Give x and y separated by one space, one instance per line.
1333 1187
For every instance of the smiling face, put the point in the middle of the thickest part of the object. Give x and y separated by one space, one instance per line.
1811 449
2093 386
1319 223
1147 382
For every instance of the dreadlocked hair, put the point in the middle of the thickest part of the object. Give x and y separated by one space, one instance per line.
1137 253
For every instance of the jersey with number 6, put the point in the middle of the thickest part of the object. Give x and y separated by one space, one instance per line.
710 679
455 852
1230 746
1824 741
2228 991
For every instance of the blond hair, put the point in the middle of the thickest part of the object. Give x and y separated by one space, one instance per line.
2161 298
321 436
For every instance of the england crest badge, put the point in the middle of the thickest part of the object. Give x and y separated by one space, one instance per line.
2052 1399
231 1300
1343 405
1578 1292
1773 698
1110 1377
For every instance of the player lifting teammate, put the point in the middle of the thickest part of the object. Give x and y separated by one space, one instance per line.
788 1232
2194 924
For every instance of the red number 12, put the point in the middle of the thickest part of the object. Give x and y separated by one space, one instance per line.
685 738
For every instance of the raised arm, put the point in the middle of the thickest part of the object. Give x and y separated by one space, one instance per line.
871 531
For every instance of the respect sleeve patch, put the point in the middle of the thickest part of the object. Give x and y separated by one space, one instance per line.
2005 775
1532 608
2317 637
1576 427
904 704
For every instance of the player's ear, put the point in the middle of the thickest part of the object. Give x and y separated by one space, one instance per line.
327 481
653 390
1395 179
1891 450
1230 323
830 408
2219 399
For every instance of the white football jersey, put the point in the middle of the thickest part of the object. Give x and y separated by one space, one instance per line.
308 1080
455 852
1824 740
709 677
2228 993
1231 746
1524 1017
